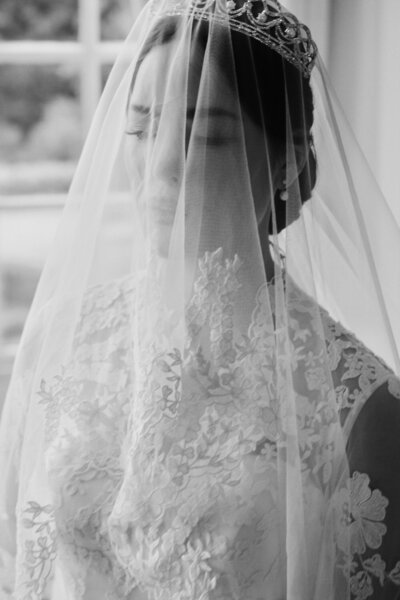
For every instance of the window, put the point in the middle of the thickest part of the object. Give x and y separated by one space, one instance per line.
54 57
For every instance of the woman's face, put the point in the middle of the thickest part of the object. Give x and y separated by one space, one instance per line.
180 120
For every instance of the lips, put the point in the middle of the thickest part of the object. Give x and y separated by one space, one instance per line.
163 204
163 217
163 209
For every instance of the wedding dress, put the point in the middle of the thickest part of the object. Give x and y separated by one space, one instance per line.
205 400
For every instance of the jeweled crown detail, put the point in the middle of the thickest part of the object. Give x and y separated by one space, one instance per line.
265 20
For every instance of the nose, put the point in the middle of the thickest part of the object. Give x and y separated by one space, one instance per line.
169 152
167 164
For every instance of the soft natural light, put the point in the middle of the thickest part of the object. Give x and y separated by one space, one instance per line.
52 72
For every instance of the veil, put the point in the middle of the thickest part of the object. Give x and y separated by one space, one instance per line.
187 416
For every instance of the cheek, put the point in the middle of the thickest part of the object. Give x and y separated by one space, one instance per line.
134 158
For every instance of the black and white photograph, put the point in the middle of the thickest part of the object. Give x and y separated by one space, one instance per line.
199 300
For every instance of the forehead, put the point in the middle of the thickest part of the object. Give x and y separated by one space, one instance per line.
168 72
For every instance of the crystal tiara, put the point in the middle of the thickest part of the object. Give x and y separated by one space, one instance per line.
265 20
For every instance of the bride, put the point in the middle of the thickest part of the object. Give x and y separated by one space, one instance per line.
205 400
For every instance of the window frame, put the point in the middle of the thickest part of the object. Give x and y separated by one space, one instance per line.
89 53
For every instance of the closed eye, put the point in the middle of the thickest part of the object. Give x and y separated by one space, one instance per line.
140 134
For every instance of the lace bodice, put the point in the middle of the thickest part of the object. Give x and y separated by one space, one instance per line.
203 542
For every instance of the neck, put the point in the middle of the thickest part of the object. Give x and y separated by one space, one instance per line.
269 264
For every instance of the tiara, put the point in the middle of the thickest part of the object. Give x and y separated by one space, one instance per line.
265 20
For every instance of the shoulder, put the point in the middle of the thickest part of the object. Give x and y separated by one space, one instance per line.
368 395
376 429
373 448
375 437
359 375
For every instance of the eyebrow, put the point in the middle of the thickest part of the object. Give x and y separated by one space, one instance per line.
212 111
143 110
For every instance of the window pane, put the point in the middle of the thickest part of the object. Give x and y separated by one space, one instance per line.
105 71
25 240
41 139
116 19
41 128
39 19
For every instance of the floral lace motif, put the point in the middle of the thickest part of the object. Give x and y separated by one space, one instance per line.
86 410
180 494
364 512
356 371
40 550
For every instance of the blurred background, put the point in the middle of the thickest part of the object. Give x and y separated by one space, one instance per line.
55 56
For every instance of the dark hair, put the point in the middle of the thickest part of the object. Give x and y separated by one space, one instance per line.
270 107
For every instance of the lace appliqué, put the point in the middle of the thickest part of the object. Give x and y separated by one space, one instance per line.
86 412
179 493
39 551
361 513
356 371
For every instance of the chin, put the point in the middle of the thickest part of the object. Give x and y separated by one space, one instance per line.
163 240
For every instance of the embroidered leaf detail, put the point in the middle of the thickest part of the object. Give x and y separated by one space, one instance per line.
164 366
28 523
176 357
327 472
394 574
376 566
166 391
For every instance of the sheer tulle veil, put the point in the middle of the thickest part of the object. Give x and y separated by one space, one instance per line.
174 398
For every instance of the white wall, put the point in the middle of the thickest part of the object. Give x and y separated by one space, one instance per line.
359 41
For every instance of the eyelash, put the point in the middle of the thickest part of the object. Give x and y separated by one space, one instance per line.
139 134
